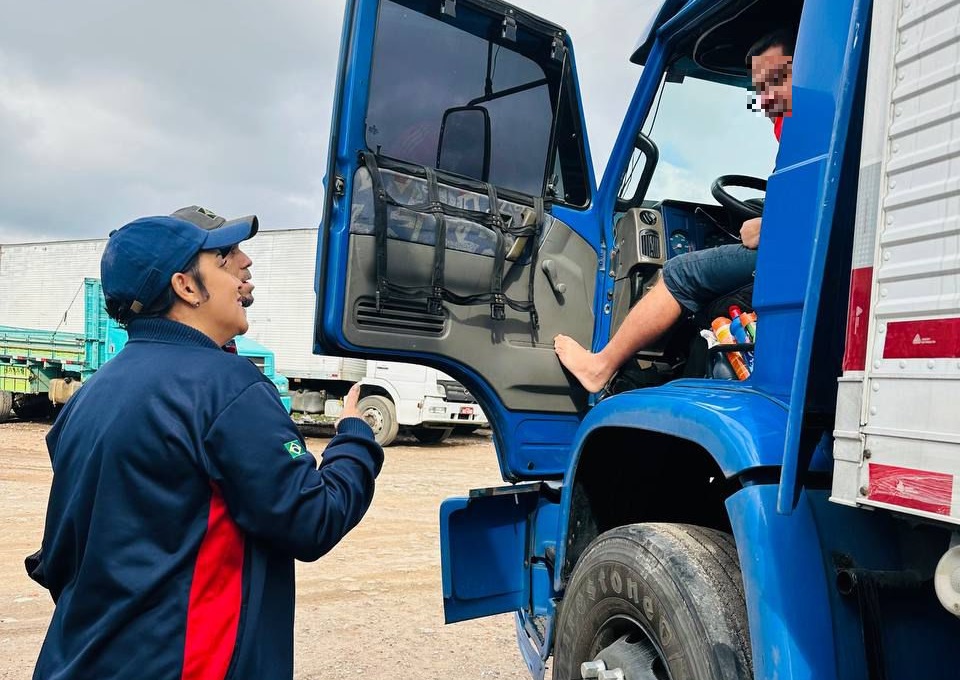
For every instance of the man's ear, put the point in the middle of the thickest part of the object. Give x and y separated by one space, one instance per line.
184 287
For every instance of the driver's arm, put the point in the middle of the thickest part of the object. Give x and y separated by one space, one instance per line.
750 233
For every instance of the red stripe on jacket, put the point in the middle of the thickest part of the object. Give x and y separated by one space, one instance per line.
213 614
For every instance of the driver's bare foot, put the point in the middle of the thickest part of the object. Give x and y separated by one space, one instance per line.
589 368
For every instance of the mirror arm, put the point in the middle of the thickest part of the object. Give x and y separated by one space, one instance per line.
509 91
488 80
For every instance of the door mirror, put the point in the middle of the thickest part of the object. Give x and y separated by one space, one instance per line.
464 146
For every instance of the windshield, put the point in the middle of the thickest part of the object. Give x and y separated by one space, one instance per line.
704 130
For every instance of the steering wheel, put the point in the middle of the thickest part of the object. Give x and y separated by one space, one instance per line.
739 211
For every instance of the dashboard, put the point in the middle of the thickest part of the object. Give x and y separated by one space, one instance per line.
647 236
688 227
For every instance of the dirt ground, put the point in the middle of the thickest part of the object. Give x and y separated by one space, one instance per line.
372 608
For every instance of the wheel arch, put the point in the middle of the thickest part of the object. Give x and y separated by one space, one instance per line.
670 454
674 480
375 386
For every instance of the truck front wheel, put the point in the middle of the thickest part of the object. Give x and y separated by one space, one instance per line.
381 415
6 405
656 601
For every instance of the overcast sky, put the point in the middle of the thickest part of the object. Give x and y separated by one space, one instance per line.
113 109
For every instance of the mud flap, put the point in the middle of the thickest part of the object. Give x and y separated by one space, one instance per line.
484 543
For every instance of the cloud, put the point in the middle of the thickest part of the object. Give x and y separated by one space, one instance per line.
112 109
670 181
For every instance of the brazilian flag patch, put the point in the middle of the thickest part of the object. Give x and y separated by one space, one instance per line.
294 448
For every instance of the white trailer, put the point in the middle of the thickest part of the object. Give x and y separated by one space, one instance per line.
897 436
42 286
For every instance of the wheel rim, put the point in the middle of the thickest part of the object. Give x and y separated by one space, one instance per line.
632 644
374 418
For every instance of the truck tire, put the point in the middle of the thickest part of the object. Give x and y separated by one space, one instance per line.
432 435
6 405
656 601
381 416
32 406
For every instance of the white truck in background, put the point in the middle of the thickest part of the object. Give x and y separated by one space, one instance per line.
424 401
42 286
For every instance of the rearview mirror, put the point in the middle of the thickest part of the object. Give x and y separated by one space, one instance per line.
464 146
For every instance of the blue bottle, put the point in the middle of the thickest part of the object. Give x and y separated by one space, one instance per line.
740 333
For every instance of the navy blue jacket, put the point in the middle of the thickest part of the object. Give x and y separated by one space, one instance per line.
182 494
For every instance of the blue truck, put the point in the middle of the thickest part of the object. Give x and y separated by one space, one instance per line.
41 369
800 523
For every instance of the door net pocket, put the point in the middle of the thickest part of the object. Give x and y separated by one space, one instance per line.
392 205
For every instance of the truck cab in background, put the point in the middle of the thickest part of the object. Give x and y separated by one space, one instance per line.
431 404
394 397
690 527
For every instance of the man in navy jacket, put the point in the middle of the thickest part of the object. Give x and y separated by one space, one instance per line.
182 491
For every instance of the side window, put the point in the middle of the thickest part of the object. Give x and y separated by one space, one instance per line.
438 90
631 177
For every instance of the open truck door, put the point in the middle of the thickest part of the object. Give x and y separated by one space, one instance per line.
458 229
459 232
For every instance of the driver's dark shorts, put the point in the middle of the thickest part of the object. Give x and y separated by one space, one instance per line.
697 279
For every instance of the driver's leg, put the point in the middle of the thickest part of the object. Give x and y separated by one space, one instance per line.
697 279
650 318
689 281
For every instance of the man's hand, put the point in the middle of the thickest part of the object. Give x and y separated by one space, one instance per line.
750 233
350 409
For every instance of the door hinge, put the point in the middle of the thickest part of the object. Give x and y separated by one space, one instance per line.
449 8
557 49
339 186
509 30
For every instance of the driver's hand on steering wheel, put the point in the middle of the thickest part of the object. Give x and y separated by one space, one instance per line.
750 233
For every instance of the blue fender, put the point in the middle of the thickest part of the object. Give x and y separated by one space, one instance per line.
741 428
788 597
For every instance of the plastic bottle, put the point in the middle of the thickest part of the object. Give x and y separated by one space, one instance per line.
740 333
750 324
736 325
721 327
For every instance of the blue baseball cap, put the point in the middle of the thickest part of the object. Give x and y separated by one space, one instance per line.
142 257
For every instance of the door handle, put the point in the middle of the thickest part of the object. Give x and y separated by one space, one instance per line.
549 268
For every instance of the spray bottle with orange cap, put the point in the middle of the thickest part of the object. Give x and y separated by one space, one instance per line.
721 327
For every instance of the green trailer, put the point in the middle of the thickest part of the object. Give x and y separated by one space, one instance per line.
42 369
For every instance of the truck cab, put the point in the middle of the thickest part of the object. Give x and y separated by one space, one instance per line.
424 401
678 525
